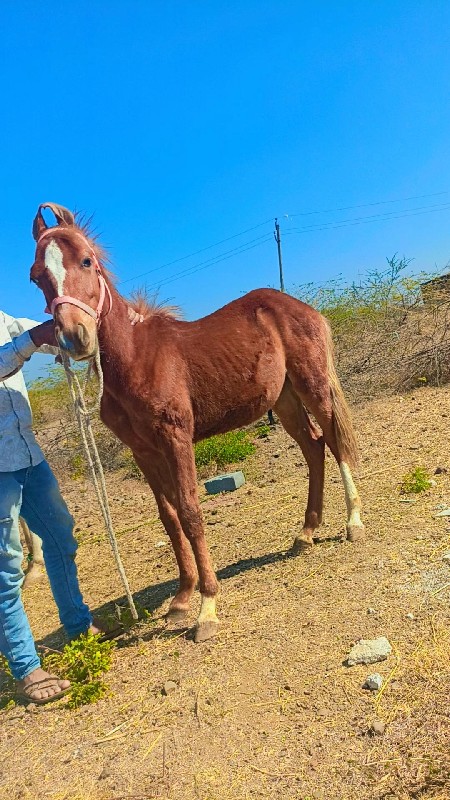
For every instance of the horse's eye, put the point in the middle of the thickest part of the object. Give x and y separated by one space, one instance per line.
86 263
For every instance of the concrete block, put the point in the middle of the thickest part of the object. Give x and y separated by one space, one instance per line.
225 483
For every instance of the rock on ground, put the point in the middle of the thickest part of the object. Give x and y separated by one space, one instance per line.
368 651
374 682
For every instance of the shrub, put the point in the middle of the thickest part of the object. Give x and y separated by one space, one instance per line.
224 449
387 339
83 662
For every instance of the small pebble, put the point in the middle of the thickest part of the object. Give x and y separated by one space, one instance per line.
105 773
371 611
31 707
169 686
377 728
374 682
446 557
410 615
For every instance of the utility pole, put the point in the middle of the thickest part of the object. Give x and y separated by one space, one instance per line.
277 237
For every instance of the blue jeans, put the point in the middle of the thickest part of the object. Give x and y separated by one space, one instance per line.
34 494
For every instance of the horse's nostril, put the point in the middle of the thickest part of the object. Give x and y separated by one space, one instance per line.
83 334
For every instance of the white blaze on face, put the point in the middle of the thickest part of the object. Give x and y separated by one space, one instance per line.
54 264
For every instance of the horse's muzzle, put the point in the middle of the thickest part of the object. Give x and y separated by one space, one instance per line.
77 342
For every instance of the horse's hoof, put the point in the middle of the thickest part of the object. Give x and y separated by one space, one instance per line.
205 630
175 616
356 533
301 546
33 576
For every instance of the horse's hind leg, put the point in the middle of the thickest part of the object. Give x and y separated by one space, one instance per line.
297 423
322 395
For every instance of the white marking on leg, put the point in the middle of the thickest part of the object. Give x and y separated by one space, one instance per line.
54 264
38 556
207 610
352 500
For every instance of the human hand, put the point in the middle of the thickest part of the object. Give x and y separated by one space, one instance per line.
44 334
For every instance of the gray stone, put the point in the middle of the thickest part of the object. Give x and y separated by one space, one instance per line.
225 483
374 682
169 687
369 651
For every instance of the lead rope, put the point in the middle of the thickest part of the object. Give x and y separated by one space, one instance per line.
83 415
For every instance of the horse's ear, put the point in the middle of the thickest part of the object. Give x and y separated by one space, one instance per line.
63 217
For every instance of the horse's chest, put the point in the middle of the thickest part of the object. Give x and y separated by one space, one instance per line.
131 419
116 417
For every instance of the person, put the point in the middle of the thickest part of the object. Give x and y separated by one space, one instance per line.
29 488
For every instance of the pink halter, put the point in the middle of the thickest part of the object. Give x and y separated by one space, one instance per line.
104 290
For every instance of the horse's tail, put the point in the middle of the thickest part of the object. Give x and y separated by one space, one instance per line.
342 421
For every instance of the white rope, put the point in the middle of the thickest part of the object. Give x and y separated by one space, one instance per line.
83 415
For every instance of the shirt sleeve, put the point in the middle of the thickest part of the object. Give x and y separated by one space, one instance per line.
14 354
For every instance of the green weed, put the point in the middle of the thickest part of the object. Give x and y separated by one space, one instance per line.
262 431
83 662
415 481
224 449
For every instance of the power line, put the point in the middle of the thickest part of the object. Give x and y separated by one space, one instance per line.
436 206
209 263
366 205
196 252
364 221
316 226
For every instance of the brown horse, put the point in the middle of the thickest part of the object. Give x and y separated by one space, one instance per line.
169 383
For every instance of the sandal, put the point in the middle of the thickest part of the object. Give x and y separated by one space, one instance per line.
104 635
25 694
111 633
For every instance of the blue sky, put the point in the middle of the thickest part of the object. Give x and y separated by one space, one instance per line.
180 124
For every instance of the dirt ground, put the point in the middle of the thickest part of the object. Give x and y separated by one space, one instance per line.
269 708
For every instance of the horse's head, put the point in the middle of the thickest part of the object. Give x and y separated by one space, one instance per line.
68 271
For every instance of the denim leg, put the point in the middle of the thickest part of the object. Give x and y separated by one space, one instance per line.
46 513
16 639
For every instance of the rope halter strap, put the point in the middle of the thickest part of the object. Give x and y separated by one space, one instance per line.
96 313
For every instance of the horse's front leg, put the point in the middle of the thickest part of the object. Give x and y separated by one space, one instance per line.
180 458
161 484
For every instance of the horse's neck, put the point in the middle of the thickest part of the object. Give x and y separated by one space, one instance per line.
115 335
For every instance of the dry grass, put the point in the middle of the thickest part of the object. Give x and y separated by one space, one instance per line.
268 709
406 348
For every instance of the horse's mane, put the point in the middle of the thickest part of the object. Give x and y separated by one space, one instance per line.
148 306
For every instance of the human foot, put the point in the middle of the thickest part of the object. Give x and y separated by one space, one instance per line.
98 626
40 687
